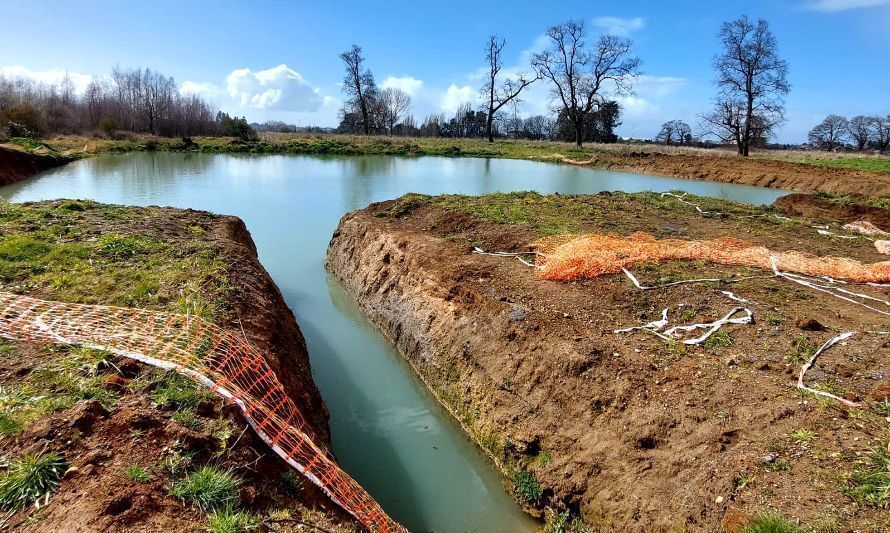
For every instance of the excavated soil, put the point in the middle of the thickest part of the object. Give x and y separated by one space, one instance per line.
100 443
16 165
626 430
823 209
747 171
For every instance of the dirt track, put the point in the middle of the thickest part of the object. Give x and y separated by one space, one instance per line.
747 171
625 430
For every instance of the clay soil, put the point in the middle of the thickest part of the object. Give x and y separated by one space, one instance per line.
116 421
628 431
16 165
746 171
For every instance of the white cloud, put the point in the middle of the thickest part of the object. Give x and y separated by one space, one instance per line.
51 77
619 26
455 96
409 84
279 88
658 86
831 6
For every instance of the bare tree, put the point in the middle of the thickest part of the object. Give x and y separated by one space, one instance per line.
498 94
674 131
830 133
880 128
583 76
753 82
859 129
358 84
395 104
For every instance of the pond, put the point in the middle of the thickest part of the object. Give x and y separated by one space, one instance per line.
388 432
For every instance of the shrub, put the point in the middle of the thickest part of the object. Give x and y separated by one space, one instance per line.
208 488
29 479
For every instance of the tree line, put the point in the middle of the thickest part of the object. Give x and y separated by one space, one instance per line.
860 132
136 100
584 75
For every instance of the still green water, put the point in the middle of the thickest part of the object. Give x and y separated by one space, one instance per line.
388 432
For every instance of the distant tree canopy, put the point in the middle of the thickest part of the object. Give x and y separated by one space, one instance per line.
235 127
862 131
137 100
675 132
598 126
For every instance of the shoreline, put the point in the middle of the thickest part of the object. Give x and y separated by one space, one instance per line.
693 164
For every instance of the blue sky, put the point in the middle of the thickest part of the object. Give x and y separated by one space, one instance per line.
278 60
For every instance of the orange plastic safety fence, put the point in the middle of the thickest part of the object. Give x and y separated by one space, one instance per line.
214 357
576 257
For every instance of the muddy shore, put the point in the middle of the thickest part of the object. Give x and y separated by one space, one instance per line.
627 431
129 432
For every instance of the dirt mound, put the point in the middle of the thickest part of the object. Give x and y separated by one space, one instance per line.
627 431
823 209
16 165
747 171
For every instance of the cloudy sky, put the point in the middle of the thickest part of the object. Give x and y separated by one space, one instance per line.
278 60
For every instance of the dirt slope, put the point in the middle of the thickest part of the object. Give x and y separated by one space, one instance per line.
747 171
105 415
16 165
626 431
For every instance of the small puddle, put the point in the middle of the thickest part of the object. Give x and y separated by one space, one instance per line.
388 431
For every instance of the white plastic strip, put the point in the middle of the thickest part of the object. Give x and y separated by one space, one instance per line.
809 364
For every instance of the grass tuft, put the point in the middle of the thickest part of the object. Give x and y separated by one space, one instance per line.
28 480
231 521
137 473
771 522
209 488
870 483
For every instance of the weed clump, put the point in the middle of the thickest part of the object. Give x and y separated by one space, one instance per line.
208 488
231 521
29 479
771 522
527 486
870 484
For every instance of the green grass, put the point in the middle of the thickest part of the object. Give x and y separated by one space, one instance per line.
867 164
179 392
291 483
30 479
846 199
70 376
231 521
869 484
527 486
719 339
771 522
803 436
209 488
65 250
803 349
137 473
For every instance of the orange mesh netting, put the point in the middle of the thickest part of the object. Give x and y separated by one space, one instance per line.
570 258
210 355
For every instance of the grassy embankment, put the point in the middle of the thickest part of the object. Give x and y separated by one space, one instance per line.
155 258
78 146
